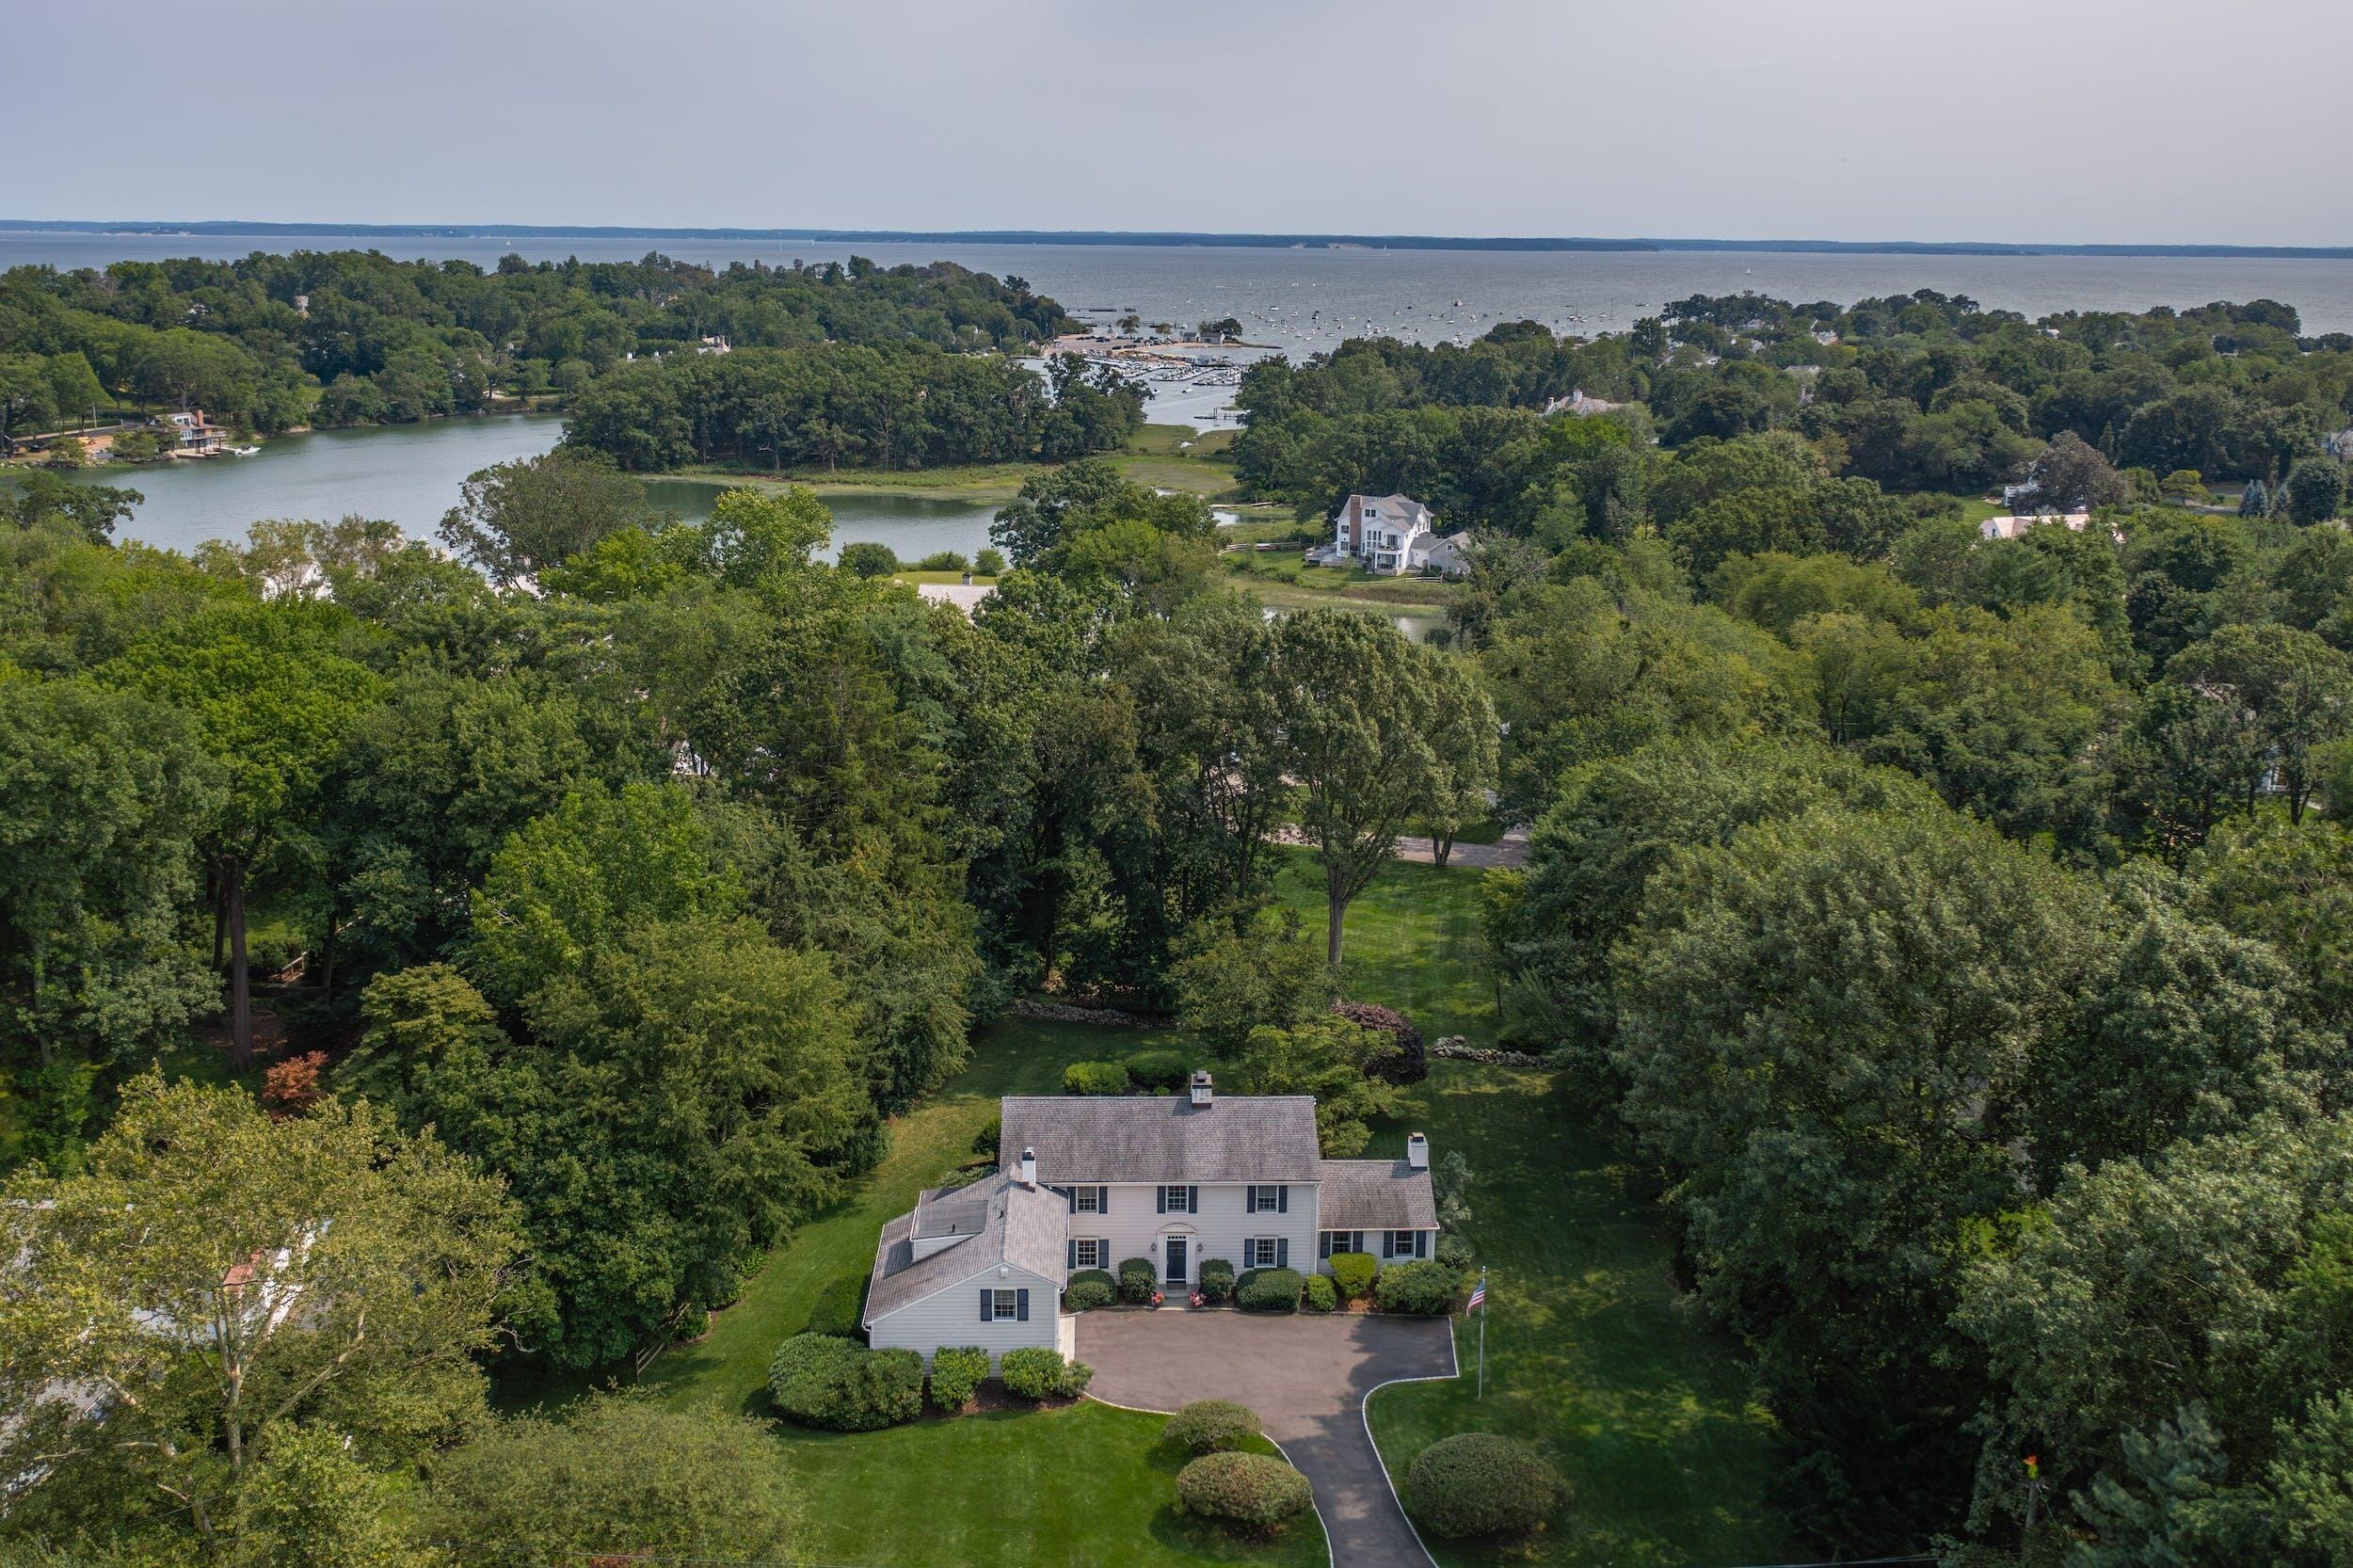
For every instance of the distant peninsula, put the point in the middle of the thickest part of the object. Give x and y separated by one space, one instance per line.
215 227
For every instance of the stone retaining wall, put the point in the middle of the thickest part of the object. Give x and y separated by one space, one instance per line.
1064 1013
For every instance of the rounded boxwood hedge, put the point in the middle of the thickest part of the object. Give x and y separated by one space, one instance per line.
821 1380
1425 1287
1321 1296
1212 1426
1094 1078
1088 1289
1352 1272
1216 1280
1138 1278
957 1374
1035 1372
1268 1290
1158 1069
1249 1490
1478 1484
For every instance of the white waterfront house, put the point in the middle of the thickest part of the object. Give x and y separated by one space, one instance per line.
1089 1182
1390 536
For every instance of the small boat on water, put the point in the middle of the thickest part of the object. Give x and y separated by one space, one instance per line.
242 451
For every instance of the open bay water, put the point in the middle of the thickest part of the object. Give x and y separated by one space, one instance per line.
1296 301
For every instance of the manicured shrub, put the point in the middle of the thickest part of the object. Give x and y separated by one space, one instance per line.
1268 1290
1158 1069
1094 1078
1216 1281
1252 1491
1137 1279
989 562
1405 1061
1209 1426
943 560
1456 1254
820 1380
1088 1289
988 1138
1035 1372
1351 1274
1478 1484
1426 1288
1321 1295
957 1374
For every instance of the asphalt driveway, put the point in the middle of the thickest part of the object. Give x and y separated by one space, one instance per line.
1308 1377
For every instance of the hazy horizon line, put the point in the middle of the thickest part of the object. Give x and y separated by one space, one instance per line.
153 228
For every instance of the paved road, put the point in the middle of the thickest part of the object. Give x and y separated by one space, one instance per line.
1307 1378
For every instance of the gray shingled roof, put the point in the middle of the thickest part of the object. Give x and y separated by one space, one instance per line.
1377 1195
1163 1138
1020 1226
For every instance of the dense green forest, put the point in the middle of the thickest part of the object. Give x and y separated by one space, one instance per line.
1957 927
352 337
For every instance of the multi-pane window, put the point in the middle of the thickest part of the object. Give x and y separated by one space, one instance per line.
1261 1251
1400 1243
1177 1200
1090 1254
1088 1200
1267 1197
1005 1305
1342 1241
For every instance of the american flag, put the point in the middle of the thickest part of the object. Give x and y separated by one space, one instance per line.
1477 1295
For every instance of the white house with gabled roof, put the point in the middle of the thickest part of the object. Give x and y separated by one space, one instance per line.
1390 536
1089 1182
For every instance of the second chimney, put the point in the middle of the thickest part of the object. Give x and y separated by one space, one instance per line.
1029 1167
1417 1152
1201 1087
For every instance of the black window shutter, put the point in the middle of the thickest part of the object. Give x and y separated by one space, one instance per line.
1282 1252
986 1305
1021 1307
1071 1197
1159 1196
1250 1199
1192 1200
1103 1200
1282 1200
1388 1243
1074 1255
1323 1243
1421 1243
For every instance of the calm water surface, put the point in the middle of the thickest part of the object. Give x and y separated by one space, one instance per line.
410 473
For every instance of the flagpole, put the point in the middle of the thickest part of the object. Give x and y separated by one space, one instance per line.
1482 1333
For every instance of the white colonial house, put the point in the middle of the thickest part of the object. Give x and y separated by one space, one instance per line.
1391 536
1089 1182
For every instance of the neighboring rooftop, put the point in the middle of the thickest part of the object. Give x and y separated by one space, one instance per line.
1157 1137
1377 1195
1018 1225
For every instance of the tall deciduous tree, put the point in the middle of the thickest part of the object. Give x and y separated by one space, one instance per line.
515 520
1357 709
212 1275
272 699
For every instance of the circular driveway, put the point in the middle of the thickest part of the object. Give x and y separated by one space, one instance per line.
1306 1376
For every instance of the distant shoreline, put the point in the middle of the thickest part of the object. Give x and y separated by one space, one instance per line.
215 228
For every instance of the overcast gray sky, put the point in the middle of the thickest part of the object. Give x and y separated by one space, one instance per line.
2139 121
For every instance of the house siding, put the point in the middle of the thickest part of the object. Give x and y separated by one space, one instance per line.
952 1317
1136 1229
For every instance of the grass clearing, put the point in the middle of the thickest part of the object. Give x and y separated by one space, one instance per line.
1047 1489
1591 1358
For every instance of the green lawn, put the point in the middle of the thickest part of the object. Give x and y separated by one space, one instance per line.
1050 1489
1589 1354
